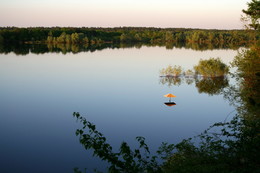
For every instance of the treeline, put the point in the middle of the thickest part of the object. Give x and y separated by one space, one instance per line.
56 34
186 35
123 35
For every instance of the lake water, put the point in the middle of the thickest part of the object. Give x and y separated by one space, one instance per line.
119 90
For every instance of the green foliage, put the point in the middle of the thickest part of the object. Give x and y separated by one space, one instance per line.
212 67
68 39
85 40
171 71
224 147
248 75
137 37
1 39
127 35
232 149
126 160
210 86
169 36
61 38
247 62
253 9
49 39
253 13
189 73
75 38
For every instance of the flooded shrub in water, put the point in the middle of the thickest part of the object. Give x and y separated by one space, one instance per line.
189 73
212 67
171 71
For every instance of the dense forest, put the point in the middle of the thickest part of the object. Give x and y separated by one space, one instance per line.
72 35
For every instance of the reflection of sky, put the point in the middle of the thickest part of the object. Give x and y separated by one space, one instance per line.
219 14
117 89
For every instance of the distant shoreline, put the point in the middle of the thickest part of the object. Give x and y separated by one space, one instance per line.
91 35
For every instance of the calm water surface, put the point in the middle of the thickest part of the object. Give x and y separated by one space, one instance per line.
119 90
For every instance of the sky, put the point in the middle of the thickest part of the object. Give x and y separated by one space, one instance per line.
206 14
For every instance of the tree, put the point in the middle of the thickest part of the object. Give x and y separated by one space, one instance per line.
1 39
181 37
253 13
171 71
189 73
50 37
137 37
212 67
168 36
85 40
68 39
81 37
75 38
123 37
62 38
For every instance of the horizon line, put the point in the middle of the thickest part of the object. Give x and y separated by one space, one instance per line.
96 27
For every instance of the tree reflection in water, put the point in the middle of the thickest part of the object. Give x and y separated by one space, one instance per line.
170 81
208 85
212 86
24 49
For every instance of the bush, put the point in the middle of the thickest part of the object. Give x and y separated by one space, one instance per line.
189 73
171 71
212 67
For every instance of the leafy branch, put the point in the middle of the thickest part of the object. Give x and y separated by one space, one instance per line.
126 160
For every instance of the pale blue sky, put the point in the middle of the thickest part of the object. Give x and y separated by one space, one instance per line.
219 14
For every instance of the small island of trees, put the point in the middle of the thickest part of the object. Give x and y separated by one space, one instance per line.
212 67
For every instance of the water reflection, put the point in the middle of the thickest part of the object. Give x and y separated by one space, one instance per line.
170 103
23 49
207 85
170 81
212 86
